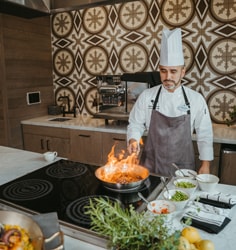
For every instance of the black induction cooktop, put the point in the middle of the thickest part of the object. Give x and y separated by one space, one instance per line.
66 187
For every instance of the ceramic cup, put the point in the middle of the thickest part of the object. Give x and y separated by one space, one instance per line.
50 156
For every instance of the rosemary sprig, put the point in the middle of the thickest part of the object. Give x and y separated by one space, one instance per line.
128 229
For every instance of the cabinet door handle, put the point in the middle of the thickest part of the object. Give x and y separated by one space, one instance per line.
48 145
42 144
118 139
84 135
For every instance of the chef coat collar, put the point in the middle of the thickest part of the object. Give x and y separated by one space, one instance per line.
187 103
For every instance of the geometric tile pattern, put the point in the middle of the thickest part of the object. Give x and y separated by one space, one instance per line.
125 37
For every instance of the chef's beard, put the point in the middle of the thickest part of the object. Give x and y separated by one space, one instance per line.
173 86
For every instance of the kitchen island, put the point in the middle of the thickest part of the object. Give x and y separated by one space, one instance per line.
15 163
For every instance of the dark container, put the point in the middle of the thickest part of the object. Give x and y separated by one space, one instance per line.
54 110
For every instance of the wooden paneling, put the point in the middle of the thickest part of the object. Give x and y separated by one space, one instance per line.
3 93
26 65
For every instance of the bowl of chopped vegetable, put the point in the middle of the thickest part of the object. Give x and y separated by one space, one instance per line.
178 197
161 207
188 185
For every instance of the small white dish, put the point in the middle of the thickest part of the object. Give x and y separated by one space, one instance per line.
162 207
172 193
186 185
50 156
207 182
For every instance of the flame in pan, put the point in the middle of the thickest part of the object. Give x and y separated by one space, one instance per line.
122 157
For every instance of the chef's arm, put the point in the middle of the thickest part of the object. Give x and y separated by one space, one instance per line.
204 168
204 133
133 146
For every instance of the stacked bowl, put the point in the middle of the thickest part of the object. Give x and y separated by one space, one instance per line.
186 184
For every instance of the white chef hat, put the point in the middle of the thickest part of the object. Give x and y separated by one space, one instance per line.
171 48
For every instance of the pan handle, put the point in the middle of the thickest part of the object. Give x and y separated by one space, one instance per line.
52 237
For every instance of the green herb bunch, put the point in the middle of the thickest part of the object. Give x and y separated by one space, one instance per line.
127 229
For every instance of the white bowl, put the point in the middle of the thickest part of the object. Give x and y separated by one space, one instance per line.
185 173
184 185
162 207
178 204
207 182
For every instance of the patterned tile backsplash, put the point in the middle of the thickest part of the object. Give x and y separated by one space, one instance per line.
125 37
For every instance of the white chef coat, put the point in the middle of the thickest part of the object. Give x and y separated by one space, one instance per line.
173 105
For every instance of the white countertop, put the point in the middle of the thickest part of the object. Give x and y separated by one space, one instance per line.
15 163
222 133
80 122
226 238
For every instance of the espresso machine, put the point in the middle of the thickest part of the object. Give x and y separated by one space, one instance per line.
112 98
118 93
111 92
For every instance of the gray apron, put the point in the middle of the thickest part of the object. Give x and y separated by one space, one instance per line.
169 141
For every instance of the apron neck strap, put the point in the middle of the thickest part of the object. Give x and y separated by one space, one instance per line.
156 99
186 100
184 94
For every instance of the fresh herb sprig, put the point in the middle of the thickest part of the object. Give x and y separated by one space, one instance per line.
127 229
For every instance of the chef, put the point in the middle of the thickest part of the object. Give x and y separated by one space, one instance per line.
170 113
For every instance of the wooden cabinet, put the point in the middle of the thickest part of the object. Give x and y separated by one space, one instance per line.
41 139
86 146
93 147
110 140
216 161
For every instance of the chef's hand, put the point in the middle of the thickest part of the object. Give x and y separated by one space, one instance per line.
133 147
205 168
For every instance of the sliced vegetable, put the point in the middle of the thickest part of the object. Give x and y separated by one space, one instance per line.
11 236
185 184
179 196
162 211
14 237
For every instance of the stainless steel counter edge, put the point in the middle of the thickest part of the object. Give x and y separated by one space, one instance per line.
222 133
